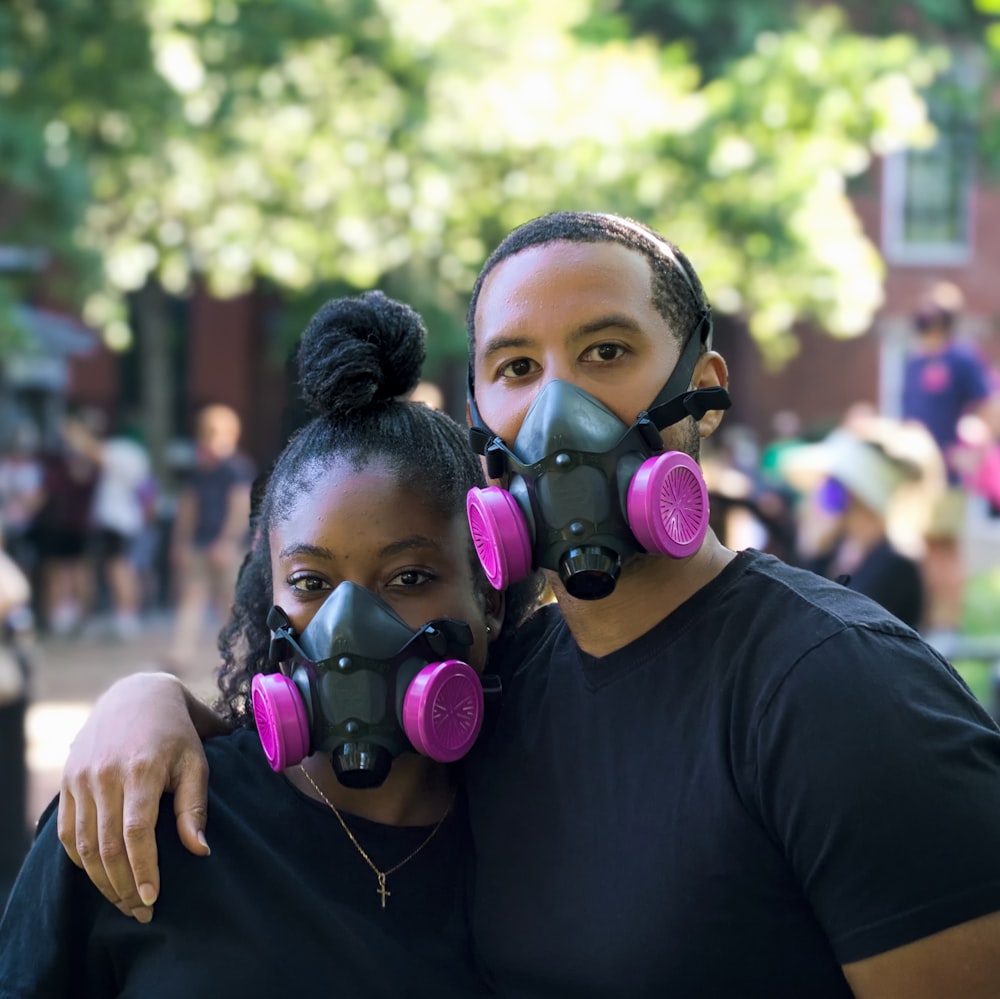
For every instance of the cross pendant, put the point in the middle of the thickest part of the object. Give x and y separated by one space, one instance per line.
382 890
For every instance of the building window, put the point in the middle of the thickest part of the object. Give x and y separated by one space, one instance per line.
927 205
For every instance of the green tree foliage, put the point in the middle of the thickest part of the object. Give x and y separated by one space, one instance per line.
318 143
718 31
990 12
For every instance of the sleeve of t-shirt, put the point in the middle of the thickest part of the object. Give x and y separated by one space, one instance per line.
46 927
975 379
878 773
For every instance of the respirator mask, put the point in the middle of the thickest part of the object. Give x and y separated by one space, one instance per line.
584 491
363 686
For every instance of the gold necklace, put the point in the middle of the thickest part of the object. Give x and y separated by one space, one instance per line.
383 892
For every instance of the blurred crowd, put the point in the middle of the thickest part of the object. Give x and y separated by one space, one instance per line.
882 503
82 516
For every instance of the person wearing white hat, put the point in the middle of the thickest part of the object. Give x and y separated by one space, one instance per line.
869 490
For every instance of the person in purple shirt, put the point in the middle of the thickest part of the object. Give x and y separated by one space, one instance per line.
943 381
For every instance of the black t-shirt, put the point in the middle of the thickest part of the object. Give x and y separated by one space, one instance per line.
284 906
889 577
778 779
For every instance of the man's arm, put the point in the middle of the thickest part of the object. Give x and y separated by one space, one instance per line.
961 961
142 739
880 773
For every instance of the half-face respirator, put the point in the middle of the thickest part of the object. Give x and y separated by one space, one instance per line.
584 491
364 687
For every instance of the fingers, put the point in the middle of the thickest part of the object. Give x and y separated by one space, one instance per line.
138 743
139 814
191 802
66 824
92 846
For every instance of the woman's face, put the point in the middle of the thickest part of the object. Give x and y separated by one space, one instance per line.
369 528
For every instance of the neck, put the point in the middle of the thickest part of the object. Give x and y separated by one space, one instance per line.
650 588
417 792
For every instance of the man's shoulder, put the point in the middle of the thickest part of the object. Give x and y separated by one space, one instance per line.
801 607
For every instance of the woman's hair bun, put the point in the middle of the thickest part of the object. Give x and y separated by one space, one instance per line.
360 351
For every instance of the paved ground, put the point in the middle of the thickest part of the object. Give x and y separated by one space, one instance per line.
68 676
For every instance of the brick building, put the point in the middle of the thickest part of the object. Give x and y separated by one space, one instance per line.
925 210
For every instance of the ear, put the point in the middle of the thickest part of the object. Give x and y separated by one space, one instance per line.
468 414
710 372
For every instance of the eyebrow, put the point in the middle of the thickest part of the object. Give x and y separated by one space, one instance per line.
393 548
616 320
409 543
317 551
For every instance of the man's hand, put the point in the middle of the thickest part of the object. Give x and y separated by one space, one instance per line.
139 742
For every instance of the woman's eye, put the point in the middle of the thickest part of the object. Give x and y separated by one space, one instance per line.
604 352
517 368
410 577
306 583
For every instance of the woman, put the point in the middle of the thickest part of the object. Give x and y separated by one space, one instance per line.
311 883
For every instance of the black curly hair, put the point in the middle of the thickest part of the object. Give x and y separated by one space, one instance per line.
677 291
358 358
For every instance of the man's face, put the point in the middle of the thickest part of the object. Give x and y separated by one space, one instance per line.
579 312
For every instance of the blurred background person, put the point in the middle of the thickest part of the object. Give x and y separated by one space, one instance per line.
749 507
210 533
945 380
60 532
868 491
977 460
118 514
21 491
786 435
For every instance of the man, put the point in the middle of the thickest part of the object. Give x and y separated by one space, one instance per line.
210 534
722 777
945 380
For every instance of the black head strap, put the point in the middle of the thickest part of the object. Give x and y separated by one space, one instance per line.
672 403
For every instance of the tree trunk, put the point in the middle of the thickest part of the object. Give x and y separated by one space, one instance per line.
156 374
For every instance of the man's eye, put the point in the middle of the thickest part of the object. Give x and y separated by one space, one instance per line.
604 352
518 368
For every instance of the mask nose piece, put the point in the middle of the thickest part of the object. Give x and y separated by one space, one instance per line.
590 572
361 765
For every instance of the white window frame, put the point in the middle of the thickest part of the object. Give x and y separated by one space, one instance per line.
899 249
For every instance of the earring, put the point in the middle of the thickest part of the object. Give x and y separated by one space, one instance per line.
489 630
